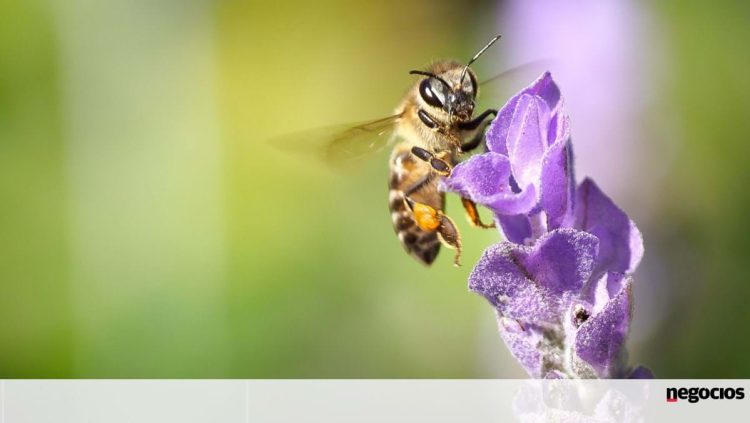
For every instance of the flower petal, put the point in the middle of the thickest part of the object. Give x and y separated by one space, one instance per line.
620 241
511 203
563 260
485 179
559 126
516 228
600 339
502 279
482 176
524 343
606 288
546 88
558 183
527 139
529 283
497 133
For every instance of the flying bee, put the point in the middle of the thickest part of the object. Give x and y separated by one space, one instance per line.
436 124
433 125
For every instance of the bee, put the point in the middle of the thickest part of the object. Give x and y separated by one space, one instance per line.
432 127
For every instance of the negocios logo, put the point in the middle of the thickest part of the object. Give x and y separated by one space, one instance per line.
694 395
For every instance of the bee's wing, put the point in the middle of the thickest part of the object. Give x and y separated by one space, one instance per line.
504 84
341 145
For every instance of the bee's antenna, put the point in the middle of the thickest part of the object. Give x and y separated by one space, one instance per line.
431 75
476 56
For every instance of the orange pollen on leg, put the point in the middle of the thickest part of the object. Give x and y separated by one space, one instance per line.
426 217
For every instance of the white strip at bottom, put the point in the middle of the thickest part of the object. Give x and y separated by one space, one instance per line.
41 401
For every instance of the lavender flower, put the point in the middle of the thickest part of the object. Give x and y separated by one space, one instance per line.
561 285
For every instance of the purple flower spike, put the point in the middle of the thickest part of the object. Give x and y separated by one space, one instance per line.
531 163
561 284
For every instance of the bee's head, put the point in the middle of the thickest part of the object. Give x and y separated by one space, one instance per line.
451 87
447 92
460 101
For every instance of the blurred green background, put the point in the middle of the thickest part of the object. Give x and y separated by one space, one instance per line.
148 231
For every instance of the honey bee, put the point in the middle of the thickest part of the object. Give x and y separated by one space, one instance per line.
433 125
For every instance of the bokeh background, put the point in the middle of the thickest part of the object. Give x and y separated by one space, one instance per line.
147 229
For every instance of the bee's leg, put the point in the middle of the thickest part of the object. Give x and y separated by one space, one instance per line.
473 143
472 125
449 236
430 220
438 165
472 214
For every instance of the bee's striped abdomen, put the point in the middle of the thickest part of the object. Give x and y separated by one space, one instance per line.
406 171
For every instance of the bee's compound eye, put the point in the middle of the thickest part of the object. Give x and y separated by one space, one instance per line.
428 94
473 84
